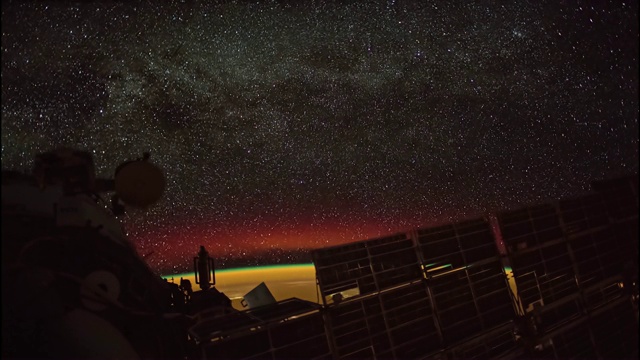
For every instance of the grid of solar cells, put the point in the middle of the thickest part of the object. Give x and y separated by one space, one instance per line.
558 314
466 279
610 332
620 195
496 344
300 338
394 261
621 202
368 266
563 256
292 328
540 259
252 345
595 250
397 323
615 331
342 268
581 243
573 342
409 318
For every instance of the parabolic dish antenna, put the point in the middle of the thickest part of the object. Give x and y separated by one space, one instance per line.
139 184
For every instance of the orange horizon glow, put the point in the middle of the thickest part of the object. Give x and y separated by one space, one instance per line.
281 235
175 243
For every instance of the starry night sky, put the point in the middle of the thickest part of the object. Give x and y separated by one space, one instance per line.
288 125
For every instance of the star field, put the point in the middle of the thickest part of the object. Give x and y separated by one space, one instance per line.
285 125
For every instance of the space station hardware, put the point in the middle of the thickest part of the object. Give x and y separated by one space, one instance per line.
204 269
73 284
70 275
565 287
75 287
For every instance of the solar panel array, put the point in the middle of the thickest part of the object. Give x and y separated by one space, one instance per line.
397 323
571 264
443 292
391 315
466 279
565 257
417 294
367 266
289 329
596 251
620 197
541 263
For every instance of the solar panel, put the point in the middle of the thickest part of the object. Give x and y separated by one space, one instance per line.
538 253
358 326
530 227
410 322
342 268
254 345
466 278
292 328
607 333
620 195
615 330
594 249
571 342
300 338
621 202
542 263
394 261
442 291
396 323
569 261
495 344
366 267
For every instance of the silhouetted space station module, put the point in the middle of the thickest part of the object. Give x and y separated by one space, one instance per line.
74 287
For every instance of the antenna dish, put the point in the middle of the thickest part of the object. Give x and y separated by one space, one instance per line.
139 183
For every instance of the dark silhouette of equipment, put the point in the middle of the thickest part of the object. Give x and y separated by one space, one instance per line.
139 183
204 269
71 279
